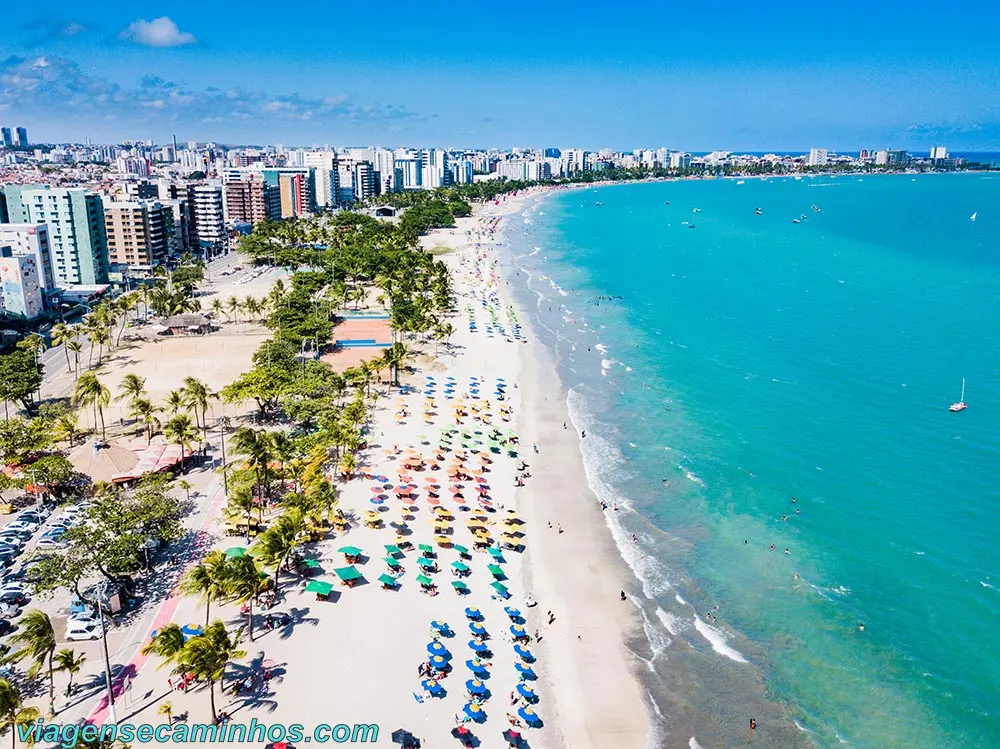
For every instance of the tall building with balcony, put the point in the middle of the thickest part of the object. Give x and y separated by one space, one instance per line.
208 235
818 157
250 199
296 189
75 220
20 292
434 168
138 233
365 185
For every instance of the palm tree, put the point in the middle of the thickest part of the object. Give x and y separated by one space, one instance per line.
207 580
186 487
132 387
90 391
180 431
196 397
244 583
175 401
12 712
277 543
256 445
217 307
145 412
348 464
66 427
166 709
206 657
61 335
73 345
168 644
241 505
38 644
67 660
232 307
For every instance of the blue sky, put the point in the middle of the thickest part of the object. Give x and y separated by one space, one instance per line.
711 74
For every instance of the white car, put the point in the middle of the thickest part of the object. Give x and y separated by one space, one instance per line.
11 539
75 632
21 525
47 544
15 586
83 619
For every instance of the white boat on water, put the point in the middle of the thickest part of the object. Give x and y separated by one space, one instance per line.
960 406
973 216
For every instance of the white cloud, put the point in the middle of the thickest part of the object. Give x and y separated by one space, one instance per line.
160 32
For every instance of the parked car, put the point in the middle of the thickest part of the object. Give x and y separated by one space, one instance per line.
83 632
13 597
5 628
11 542
14 586
50 544
9 611
21 533
7 557
19 525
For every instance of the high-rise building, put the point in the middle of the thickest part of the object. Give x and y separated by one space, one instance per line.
324 165
461 172
75 219
296 189
249 199
409 169
208 234
7 137
179 212
552 153
138 233
20 293
31 239
939 152
434 168
818 157
680 160
385 171
365 185
22 137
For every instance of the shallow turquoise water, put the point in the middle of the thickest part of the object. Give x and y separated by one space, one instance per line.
752 360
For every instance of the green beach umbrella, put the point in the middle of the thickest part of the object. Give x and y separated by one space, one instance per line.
426 549
387 580
236 551
319 586
460 586
312 564
424 580
461 550
425 562
348 573
460 566
496 570
495 552
394 563
351 551
500 588
392 549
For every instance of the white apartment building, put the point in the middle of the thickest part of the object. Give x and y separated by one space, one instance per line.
680 160
20 292
31 239
385 170
324 164
818 157
434 168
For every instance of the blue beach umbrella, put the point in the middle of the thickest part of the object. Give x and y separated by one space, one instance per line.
525 671
518 631
475 686
475 712
432 687
512 612
473 613
439 625
527 692
192 630
478 647
477 629
438 661
436 648
528 716
476 666
524 653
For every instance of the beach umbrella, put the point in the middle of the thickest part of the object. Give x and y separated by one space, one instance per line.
496 570
461 550
380 499
459 586
517 630
496 553
475 712
436 648
476 666
192 630
512 737
393 563
527 692
473 613
428 550
424 580
439 661
460 566
387 580
478 647
512 612
439 625
525 671
477 629
351 551
524 653
500 588
235 551
430 685
393 549
528 716
475 686
425 562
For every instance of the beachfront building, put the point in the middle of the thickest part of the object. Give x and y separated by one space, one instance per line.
32 240
326 178
462 172
680 160
248 198
434 171
407 164
138 233
574 160
296 188
207 231
818 157
75 220
365 184
20 291
938 153
385 171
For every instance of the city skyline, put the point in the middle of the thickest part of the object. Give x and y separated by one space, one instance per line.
721 76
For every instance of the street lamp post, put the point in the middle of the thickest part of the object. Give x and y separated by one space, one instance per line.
107 665
223 423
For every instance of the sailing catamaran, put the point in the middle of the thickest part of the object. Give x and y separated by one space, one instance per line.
973 216
960 406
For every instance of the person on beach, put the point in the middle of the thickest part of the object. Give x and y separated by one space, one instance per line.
624 597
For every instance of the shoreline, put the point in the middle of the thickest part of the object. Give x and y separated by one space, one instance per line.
591 670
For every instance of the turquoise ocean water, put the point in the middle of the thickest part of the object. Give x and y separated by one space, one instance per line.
751 360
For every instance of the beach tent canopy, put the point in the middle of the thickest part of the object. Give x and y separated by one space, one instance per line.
460 566
320 587
348 573
425 562
424 580
392 549
387 580
427 549
496 570
500 588
351 551
459 585
312 564
391 562
460 549
236 551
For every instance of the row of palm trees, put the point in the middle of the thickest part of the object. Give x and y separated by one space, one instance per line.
252 307
37 639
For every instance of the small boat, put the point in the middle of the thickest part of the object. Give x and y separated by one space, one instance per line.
973 216
697 210
960 406
598 202
690 226
795 221
740 182
666 202
758 211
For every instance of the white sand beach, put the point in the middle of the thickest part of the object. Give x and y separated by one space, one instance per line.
355 658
